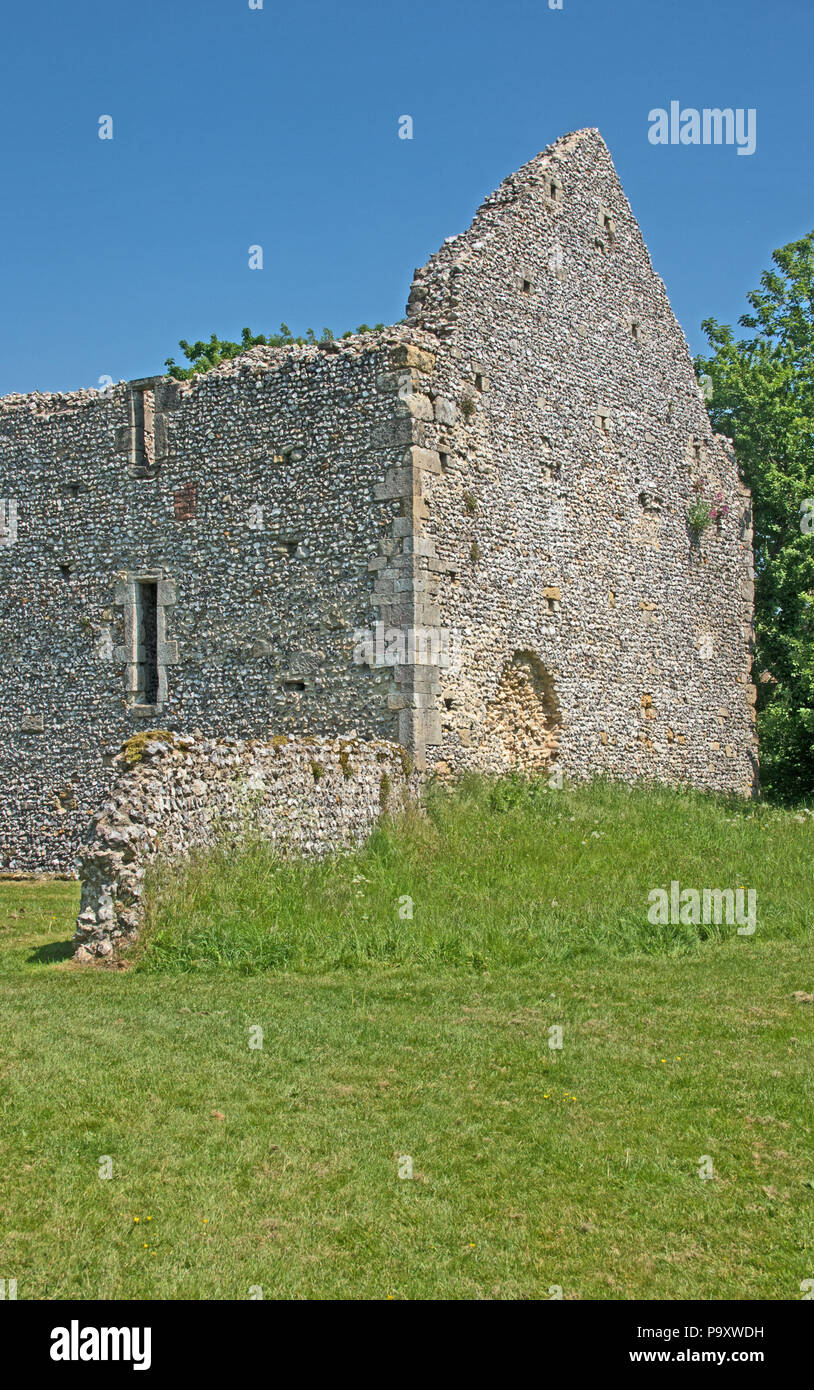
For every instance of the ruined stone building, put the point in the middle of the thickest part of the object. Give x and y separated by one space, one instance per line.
470 534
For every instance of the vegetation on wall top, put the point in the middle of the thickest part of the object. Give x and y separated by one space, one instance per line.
203 356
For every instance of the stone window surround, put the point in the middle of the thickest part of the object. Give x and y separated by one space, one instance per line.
8 520
143 438
607 222
127 653
142 425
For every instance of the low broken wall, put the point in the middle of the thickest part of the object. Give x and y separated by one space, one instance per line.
176 792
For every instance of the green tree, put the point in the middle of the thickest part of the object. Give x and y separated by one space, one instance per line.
203 356
761 393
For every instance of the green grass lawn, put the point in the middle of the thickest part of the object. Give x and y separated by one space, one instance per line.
387 1038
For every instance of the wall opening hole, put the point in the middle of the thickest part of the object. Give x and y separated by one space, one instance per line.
146 642
524 719
527 287
478 381
143 419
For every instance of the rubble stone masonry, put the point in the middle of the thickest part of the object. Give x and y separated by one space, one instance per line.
178 793
508 473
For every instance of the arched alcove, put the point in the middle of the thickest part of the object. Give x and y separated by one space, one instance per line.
523 719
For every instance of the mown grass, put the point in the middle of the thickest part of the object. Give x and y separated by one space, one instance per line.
533 1167
506 873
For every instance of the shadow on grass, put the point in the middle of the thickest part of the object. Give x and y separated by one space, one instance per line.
51 953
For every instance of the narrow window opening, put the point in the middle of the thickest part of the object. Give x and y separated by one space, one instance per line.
65 571
444 458
8 520
147 642
138 429
607 223
478 381
527 287
636 331
294 685
143 431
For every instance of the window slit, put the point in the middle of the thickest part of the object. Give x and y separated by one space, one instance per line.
147 641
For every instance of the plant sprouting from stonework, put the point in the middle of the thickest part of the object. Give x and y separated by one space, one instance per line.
205 355
134 748
467 407
364 328
699 516
705 509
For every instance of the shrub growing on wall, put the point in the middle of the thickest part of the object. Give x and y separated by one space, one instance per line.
203 356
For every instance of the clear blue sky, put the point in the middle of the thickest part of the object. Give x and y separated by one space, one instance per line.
279 127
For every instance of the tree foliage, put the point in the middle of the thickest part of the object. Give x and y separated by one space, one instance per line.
203 356
761 393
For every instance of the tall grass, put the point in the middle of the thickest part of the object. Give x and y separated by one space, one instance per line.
506 872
